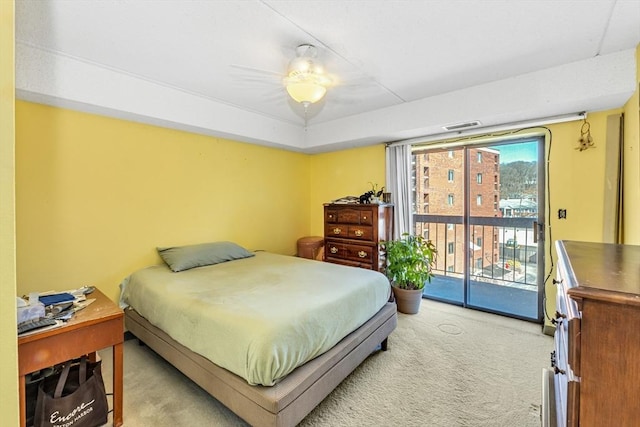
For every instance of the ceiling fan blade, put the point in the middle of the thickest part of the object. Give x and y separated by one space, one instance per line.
274 95
257 71
256 79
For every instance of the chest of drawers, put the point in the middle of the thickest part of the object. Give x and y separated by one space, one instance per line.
597 340
353 234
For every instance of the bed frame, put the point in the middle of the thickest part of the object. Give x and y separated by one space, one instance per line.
290 400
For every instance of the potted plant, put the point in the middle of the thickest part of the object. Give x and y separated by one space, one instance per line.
409 263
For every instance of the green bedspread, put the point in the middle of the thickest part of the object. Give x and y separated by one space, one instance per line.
258 317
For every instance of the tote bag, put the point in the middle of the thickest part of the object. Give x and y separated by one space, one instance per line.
78 399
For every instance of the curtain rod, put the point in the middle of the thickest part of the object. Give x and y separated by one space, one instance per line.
439 137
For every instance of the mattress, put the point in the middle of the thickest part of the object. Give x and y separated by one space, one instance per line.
258 317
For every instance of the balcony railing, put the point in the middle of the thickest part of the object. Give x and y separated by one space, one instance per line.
501 251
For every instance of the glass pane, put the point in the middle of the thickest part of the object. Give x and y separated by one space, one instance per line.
503 276
438 213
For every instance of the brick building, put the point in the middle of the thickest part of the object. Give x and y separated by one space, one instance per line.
440 192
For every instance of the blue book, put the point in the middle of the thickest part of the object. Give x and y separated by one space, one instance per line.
56 298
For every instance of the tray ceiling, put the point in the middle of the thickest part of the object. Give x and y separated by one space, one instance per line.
402 69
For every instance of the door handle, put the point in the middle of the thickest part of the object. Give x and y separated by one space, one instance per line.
538 230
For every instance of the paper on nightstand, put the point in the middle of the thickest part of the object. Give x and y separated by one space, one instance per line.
77 306
30 312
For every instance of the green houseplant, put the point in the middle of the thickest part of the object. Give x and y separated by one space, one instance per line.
410 261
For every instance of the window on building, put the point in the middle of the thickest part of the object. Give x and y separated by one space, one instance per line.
450 227
450 199
451 154
479 178
479 241
425 234
479 157
479 263
450 175
479 199
451 247
450 269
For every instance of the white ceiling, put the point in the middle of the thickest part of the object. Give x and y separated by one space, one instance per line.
403 69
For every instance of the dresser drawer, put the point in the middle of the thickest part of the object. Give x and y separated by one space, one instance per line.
350 216
351 263
559 364
347 251
568 317
562 334
358 232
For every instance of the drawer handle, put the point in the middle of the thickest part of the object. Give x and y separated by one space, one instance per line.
364 217
334 250
337 231
362 254
359 233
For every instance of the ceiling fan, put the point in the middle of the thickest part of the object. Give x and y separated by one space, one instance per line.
305 80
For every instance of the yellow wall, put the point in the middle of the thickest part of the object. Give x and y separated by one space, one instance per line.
577 180
343 173
95 196
631 196
9 410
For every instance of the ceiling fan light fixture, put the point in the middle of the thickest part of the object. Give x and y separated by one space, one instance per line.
306 91
306 81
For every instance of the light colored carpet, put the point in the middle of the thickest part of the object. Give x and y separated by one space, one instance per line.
446 366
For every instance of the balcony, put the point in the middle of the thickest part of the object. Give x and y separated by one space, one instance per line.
501 269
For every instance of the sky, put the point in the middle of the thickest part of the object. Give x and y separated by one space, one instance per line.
525 151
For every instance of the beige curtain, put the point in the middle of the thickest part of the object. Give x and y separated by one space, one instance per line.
398 181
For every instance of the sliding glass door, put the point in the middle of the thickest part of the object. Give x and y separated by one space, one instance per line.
482 207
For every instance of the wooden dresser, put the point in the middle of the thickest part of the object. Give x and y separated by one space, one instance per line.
353 233
597 339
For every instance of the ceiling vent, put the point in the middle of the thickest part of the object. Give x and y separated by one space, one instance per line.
460 126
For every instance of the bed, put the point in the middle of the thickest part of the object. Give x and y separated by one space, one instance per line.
281 332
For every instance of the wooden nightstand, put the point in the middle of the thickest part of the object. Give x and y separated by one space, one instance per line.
93 328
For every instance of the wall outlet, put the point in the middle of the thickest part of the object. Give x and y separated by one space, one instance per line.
562 214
